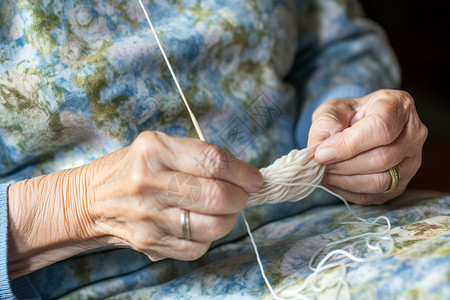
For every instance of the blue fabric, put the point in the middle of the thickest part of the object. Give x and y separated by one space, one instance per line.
23 289
416 269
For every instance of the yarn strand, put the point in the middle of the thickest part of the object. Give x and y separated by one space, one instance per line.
261 267
343 256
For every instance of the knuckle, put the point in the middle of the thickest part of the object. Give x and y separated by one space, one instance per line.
149 148
384 129
405 94
423 132
394 95
214 195
397 107
144 138
148 141
382 94
143 145
319 112
406 99
383 159
214 160
402 103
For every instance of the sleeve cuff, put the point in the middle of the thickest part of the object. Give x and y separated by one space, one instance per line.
5 288
304 121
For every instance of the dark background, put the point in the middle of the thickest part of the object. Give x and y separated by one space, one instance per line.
419 32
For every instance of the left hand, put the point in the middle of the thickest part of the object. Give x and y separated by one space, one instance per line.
363 138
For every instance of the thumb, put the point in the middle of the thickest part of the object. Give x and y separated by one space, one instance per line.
330 118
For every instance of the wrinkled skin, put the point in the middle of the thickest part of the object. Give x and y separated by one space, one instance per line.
363 138
122 199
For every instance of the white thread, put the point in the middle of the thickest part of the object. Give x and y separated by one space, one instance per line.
292 178
269 286
348 253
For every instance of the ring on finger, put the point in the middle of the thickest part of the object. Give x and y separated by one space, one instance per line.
185 224
395 179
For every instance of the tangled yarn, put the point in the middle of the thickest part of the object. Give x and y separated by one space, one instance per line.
290 178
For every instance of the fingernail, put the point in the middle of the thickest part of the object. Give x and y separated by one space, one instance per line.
326 154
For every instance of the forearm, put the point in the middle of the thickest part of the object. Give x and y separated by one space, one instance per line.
46 221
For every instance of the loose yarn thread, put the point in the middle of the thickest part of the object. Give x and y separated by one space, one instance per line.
335 258
292 178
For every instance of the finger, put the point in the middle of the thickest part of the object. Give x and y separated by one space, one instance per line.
373 183
198 158
379 124
199 194
203 228
148 235
373 161
177 248
363 184
330 118
379 159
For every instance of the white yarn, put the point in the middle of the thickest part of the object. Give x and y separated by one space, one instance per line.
335 258
292 178
283 180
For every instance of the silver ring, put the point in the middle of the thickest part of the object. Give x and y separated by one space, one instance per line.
185 224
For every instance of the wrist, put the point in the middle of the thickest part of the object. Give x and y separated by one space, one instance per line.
47 220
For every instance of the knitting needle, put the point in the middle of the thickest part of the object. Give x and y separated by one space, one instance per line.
191 114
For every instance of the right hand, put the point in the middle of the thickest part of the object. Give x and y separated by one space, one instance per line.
122 198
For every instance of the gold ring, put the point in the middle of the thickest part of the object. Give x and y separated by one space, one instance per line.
185 224
395 178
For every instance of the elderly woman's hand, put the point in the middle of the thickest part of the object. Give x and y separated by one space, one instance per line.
365 137
133 197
